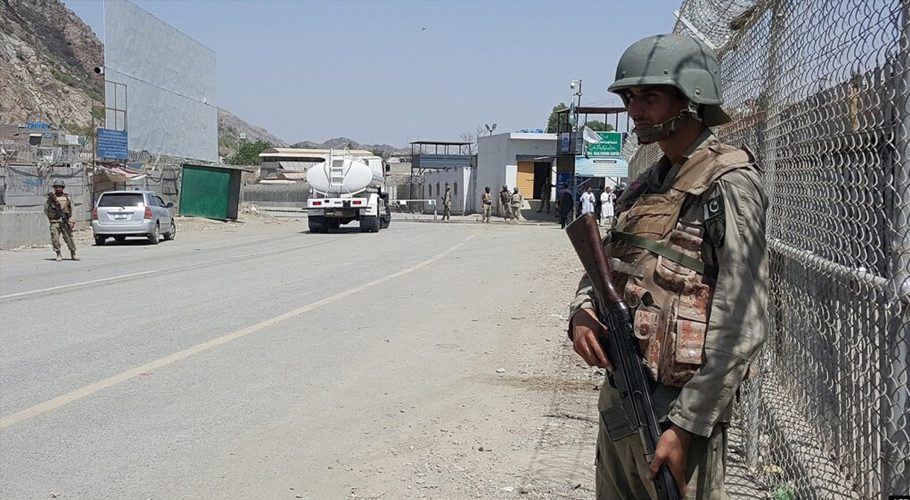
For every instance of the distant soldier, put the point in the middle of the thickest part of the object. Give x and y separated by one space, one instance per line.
505 202
59 209
486 202
517 200
447 203
545 196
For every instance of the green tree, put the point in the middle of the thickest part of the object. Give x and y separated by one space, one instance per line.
248 154
599 126
552 122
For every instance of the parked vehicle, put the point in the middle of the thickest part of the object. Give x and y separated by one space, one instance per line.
119 214
347 188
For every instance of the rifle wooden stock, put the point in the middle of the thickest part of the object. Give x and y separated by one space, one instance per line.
636 414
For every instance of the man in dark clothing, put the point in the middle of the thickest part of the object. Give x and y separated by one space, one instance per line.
545 196
566 204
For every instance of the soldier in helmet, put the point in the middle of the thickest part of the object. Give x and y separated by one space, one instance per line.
486 202
59 209
516 201
688 254
505 203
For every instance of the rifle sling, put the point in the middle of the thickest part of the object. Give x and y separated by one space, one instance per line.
660 249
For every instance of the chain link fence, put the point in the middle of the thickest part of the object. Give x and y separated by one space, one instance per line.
819 90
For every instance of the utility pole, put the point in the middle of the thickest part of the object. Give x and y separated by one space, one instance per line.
575 85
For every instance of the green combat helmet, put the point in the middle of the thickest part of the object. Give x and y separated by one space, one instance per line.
679 61
58 182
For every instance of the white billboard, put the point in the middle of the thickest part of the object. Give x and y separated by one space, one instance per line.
170 84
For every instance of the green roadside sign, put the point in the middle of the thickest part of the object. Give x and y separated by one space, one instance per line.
610 145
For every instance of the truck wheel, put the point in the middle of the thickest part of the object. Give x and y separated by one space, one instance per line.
99 240
317 224
369 223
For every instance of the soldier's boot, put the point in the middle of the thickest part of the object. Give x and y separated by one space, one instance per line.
59 257
73 256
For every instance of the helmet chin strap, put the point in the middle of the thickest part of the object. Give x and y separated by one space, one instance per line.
654 133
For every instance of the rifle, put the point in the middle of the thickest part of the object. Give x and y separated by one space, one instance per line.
58 211
635 415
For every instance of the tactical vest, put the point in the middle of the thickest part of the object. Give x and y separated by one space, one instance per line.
662 269
64 202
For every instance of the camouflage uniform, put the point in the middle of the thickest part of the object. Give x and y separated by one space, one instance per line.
486 202
697 344
57 226
517 200
505 201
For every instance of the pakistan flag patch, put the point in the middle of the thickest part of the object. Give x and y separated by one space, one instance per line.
715 226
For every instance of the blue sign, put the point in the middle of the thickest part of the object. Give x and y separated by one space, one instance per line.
564 142
112 144
40 125
563 180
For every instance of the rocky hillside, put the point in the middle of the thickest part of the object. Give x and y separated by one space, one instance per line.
230 129
344 142
47 61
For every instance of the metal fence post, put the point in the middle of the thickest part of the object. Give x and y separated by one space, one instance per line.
896 404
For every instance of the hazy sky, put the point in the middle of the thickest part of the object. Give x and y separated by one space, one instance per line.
397 71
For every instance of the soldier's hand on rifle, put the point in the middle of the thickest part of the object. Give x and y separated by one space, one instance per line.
672 449
72 226
585 329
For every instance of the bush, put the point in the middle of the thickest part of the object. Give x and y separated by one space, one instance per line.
64 78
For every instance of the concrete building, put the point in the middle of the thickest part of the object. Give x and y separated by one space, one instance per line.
526 160
461 181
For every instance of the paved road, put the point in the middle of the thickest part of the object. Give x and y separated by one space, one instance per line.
263 362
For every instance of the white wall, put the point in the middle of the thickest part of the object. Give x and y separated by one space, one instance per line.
462 199
19 229
170 79
496 158
492 158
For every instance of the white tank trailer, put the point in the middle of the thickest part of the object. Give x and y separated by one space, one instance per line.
345 188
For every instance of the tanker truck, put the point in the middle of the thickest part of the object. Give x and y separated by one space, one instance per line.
347 188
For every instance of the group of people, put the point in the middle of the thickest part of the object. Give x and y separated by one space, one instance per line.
509 204
601 206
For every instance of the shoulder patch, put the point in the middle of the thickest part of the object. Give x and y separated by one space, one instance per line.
714 207
715 222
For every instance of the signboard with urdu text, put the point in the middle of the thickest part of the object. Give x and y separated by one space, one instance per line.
610 145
